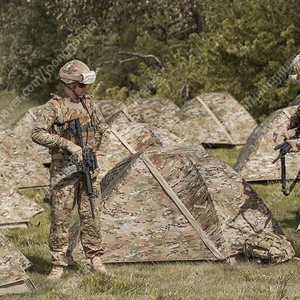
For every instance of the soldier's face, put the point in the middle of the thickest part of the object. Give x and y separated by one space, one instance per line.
81 89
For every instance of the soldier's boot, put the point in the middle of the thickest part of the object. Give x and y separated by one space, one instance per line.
97 266
71 261
56 272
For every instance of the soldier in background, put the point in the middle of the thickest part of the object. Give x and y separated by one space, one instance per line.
69 190
294 121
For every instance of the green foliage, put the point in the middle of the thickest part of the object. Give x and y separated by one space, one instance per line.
159 28
235 46
245 46
34 42
28 42
227 155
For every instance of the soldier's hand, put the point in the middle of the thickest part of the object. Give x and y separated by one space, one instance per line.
295 144
76 152
281 132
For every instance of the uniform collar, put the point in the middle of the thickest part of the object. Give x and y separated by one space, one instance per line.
66 96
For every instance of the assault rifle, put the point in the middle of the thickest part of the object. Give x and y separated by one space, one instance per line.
285 148
88 163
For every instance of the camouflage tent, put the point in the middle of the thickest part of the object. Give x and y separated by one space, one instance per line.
137 136
19 161
148 110
20 158
217 119
255 160
16 142
159 112
12 265
15 208
179 203
23 174
120 117
15 211
295 102
109 107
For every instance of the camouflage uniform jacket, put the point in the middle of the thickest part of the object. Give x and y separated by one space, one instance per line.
295 119
47 133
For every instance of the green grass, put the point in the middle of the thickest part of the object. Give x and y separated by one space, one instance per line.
227 155
167 281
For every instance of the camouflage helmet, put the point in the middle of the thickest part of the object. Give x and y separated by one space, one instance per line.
294 74
76 70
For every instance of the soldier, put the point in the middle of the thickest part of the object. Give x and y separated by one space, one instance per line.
294 121
67 190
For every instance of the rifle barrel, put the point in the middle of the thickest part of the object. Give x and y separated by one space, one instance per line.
274 161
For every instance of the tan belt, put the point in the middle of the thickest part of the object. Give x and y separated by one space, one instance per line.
60 156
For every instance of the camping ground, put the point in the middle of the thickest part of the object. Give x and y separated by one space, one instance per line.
180 280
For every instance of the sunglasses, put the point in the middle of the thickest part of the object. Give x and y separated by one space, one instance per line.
82 85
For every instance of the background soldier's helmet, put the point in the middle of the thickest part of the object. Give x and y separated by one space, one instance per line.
76 71
294 74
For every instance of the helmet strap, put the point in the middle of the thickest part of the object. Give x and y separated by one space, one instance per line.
80 99
73 90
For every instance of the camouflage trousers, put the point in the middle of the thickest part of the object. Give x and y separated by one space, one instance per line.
66 192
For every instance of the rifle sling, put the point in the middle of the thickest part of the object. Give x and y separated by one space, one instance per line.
295 181
283 177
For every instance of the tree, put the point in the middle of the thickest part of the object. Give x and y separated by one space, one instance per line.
36 40
246 51
159 28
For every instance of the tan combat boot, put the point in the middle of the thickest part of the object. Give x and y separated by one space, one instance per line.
97 266
56 272
71 261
